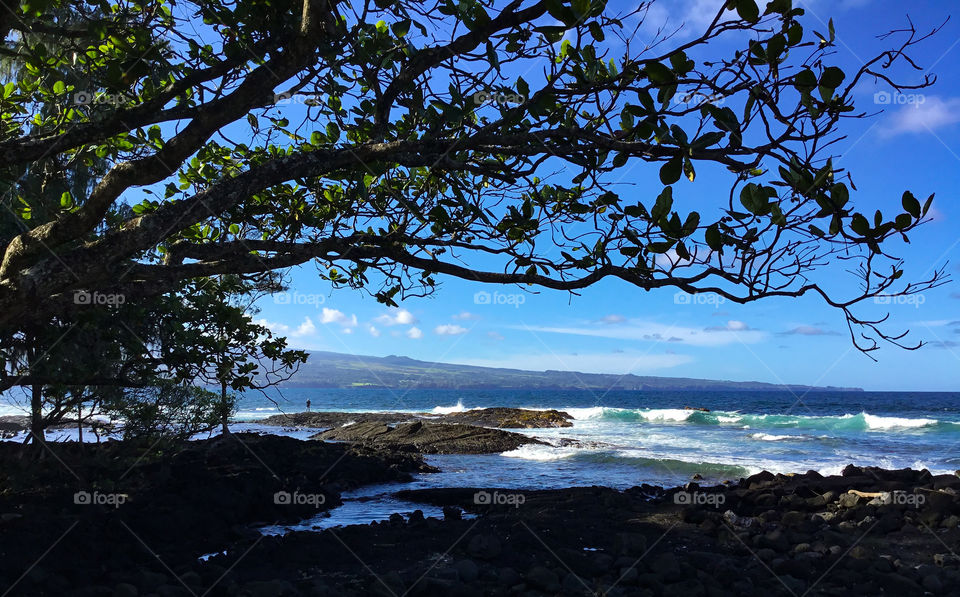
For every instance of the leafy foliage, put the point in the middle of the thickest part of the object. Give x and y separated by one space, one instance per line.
388 142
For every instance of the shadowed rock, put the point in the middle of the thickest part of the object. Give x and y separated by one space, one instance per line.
511 418
429 438
499 417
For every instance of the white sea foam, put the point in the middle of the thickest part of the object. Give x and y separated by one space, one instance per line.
446 410
579 414
666 414
877 422
541 453
768 437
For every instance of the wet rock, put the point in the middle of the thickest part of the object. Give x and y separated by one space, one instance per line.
429 438
268 588
630 544
793 519
543 578
125 590
509 577
452 513
467 570
511 418
932 583
574 585
849 500
484 546
761 479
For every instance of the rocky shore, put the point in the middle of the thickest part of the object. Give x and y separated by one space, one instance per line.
498 417
126 521
766 535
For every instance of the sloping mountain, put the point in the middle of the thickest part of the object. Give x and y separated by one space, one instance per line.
336 370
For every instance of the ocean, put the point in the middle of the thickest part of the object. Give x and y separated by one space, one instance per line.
627 438
631 437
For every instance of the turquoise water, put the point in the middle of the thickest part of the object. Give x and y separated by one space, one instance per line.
625 438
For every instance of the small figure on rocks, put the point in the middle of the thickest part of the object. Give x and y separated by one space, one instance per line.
308 406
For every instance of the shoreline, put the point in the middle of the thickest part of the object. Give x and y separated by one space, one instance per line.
763 535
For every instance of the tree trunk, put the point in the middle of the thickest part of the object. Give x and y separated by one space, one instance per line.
80 423
224 411
36 416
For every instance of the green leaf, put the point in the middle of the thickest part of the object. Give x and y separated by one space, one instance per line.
926 204
691 224
910 204
748 10
596 31
859 224
59 87
832 77
400 28
663 204
805 80
671 171
839 194
688 170
660 247
659 74
713 237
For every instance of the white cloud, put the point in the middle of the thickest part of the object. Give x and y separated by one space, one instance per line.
397 317
280 329
307 328
374 331
612 319
732 326
465 315
691 17
929 115
339 317
450 330
656 332
414 333
616 363
495 336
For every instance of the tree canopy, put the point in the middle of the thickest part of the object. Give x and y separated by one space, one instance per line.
389 142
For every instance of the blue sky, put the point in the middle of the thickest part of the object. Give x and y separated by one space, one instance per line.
914 143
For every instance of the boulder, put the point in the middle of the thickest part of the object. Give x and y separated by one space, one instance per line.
429 438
